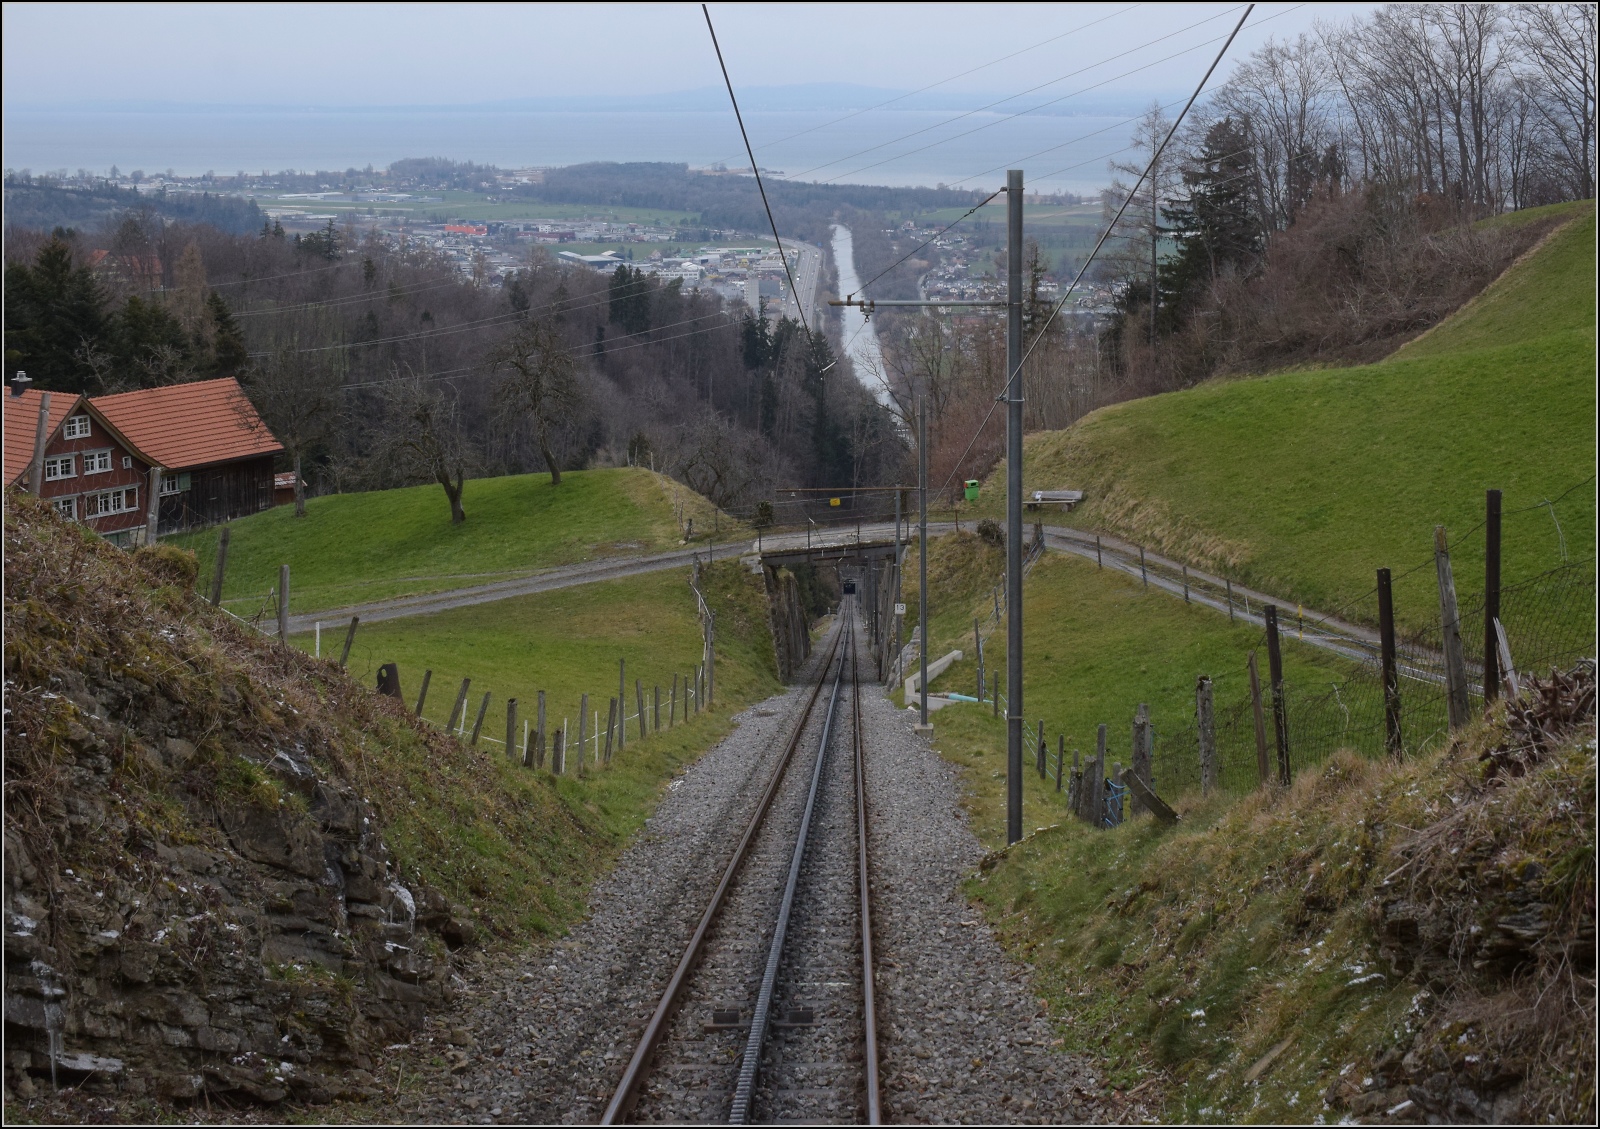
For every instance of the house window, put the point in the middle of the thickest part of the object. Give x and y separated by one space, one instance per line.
110 502
127 462
77 427
67 507
59 467
174 484
96 462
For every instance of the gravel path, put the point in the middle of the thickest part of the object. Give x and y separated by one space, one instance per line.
543 1037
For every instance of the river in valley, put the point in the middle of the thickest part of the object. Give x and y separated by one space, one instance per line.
861 342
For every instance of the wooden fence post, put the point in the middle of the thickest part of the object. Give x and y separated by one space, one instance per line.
1139 762
611 728
456 711
422 695
1280 708
152 517
41 439
583 727
1262 767
1097 785
1039 756
1491 598
222 564
389 680
622 696
283 605
1455 660
977 652
1099 562
1206 725
558 751
638 697
511 729
477 726
1389 666
349 636
1075 786
539 736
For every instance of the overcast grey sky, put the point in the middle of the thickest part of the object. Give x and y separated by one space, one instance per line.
57 55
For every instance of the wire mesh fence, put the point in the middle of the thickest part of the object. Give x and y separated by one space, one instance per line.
1549 621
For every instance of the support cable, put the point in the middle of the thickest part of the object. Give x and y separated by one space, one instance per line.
1056 310
754 168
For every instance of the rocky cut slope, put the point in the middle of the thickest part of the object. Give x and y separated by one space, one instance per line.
199 899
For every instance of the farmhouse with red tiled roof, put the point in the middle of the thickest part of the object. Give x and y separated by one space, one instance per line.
215 454
89 472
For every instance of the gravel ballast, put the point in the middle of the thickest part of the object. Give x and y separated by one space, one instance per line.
544 1036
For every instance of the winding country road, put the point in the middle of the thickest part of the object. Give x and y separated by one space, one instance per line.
1343 638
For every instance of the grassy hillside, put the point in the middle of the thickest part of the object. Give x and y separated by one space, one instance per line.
1259 962
568 642
1096 644
1303 483
351 548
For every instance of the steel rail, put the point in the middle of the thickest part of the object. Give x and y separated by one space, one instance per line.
627 1092
869 1011
744 1090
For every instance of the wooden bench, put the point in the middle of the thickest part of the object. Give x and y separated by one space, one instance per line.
1066 499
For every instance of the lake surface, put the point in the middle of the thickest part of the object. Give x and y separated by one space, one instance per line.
1058 153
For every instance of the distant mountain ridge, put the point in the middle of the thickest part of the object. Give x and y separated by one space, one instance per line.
812 96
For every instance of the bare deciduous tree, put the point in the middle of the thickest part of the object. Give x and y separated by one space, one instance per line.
540 385
424 435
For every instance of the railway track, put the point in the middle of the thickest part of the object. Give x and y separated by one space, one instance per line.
770 1014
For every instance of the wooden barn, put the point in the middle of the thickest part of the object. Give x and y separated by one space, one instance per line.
215 452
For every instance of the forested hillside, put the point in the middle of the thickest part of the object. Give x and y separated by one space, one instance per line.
382 366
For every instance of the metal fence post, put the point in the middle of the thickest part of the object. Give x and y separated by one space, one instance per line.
1280 708
1455 662
1391 673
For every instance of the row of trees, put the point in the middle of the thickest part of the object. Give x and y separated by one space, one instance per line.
379 366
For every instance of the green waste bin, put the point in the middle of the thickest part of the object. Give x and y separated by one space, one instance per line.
972 489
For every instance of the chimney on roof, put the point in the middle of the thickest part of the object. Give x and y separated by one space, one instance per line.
19 384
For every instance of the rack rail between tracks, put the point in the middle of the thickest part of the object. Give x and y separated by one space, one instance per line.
842 651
